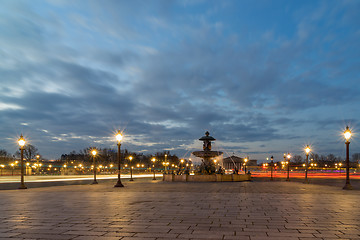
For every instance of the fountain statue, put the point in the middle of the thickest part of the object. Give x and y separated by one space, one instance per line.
207 165
207 171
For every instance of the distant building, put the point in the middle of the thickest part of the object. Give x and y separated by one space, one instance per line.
234 161
252 162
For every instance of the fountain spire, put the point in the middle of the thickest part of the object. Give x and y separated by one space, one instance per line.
207 155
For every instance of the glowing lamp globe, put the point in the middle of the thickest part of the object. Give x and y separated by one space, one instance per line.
347 133
21 141
119 137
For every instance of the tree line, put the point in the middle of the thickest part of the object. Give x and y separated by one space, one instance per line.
325 160
107 156
30 152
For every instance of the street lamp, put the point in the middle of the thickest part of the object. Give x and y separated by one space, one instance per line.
166 163
347 135
22 142
271 168
119 137
37 162
131 178
12 168
245 160
288 167
2 167
153 160
307 150
64 169
94 152
285 158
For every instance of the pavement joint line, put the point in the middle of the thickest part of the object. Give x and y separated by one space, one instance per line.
257 210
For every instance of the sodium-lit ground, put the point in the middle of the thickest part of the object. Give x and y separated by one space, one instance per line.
283 174
35 181
276 175
321 178
56 178
157 210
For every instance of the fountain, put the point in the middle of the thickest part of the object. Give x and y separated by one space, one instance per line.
207 166
207 169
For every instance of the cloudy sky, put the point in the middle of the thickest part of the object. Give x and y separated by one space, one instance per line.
264 77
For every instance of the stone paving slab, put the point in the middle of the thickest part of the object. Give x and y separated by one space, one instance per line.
146 209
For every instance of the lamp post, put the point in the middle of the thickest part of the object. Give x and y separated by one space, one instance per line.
245 160
285 158
12 169
22 142
271 168
153 160
119 138
288 167
64 169
131 178
166 163
94 152
307 150
37 162
347 135
181 165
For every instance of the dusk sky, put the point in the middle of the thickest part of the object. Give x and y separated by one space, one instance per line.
263 77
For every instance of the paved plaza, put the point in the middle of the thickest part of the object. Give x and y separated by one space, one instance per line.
156 210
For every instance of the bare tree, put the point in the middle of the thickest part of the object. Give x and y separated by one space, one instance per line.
356 157
3 153
5 157
297 160
30 152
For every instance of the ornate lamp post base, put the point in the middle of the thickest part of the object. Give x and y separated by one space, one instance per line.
23 187
131 178
118 184
94 182
348 187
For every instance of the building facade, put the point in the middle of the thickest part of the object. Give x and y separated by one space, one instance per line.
237 162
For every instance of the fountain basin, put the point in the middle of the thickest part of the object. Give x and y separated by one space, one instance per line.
207 178
207 154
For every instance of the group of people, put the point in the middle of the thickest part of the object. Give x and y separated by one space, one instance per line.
236 171
181 171
220 170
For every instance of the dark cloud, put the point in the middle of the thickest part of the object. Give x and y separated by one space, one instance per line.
168 71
